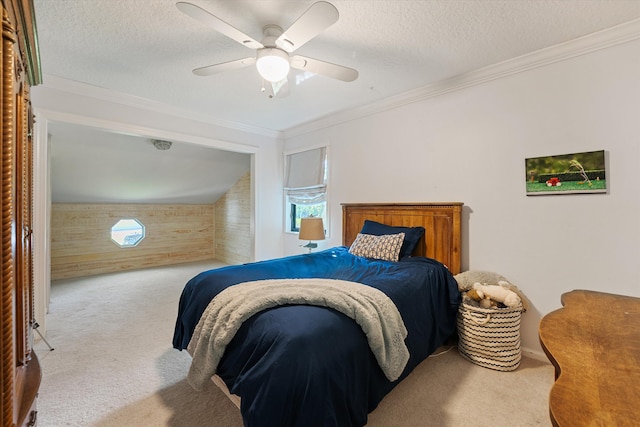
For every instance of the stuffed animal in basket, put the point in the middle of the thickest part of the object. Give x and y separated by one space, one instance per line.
479 297
497 293
467 279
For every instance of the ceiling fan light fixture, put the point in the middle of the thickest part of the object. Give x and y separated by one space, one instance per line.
272 64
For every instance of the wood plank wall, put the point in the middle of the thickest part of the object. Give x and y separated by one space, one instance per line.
234 239
81 242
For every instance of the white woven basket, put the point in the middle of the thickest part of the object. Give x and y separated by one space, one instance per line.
490 337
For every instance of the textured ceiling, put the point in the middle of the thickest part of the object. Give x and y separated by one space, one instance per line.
148 48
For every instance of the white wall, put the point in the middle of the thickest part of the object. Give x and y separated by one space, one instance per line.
469 145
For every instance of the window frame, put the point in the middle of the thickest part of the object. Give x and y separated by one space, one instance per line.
291 208
134 244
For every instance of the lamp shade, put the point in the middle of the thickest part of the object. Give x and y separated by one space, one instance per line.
272 64
311 228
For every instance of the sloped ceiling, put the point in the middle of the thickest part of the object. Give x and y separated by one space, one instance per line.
89 165
148 48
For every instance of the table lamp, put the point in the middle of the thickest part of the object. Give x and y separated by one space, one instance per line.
311 228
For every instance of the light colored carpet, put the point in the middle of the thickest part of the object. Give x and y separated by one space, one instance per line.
113 365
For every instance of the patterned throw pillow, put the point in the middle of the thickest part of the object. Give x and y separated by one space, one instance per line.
412 235
386 247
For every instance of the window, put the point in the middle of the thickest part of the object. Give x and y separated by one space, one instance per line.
306 186
298 211
127 232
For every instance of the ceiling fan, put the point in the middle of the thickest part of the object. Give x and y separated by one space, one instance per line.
273 59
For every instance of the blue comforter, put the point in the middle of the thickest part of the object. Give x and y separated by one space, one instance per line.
311 366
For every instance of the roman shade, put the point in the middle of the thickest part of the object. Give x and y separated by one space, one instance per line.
305 176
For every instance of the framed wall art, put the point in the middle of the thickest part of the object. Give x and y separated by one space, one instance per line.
566 174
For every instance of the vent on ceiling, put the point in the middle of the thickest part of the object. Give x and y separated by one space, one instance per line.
161 144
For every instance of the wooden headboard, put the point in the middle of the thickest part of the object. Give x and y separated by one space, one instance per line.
442 238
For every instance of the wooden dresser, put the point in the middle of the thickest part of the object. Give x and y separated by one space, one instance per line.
594 344
19 369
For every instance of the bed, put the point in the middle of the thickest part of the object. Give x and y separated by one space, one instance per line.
336 330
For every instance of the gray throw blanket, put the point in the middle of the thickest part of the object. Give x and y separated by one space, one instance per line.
376 314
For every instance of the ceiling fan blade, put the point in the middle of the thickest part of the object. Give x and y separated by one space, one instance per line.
225 66
324 68
199 14
318 17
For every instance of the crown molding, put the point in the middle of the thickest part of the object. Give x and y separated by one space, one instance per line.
108 95
613 36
